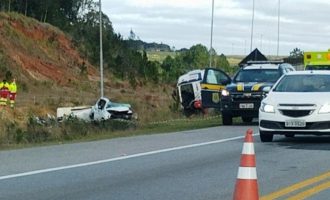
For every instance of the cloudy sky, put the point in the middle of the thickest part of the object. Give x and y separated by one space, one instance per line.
182 23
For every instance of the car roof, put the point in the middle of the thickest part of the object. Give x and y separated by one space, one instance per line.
262 66
306 72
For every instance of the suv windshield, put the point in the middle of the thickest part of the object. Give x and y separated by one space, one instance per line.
304 83
257 75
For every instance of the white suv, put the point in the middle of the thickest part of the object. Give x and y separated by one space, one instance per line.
299 103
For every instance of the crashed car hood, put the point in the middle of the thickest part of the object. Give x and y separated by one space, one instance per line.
118 107
247 86
113 104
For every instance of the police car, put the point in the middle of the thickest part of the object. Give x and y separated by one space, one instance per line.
242 97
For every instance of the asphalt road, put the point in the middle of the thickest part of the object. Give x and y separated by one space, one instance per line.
199 164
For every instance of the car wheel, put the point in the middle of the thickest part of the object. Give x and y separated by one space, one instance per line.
289 135
247 119
266 136
227 119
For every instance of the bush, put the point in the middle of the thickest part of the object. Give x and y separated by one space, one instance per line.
14 133
40 130
36 131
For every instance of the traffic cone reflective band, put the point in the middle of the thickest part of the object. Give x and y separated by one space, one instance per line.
246 184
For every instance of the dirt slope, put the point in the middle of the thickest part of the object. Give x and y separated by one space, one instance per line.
40 50
51 73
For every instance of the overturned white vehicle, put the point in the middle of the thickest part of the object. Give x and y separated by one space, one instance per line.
104 109
200 89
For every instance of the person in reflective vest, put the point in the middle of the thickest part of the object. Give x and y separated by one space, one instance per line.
12 92
4 92
1 93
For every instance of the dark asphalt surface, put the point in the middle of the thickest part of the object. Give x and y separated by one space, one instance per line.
200 172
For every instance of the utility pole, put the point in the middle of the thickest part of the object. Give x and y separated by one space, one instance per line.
25 7
101 50
278 27
9 3
252 27
261 36
211 48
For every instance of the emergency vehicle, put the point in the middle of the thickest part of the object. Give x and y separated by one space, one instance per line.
243 96
200 89
317 60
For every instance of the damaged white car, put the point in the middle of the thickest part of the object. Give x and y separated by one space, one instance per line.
104 109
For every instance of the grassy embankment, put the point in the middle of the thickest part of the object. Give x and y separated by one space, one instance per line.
52 132
43 58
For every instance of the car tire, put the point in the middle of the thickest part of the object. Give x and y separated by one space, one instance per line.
247 119
227 119
266 136
289 135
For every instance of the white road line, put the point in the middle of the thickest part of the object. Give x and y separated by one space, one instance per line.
117 158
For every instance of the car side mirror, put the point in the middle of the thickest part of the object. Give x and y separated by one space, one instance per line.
266 89
225 82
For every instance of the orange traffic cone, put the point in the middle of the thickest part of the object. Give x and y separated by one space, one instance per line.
246 185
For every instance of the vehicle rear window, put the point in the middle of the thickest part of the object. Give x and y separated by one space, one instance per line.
304 83
318 67
257 75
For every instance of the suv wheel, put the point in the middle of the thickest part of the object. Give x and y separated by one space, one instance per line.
266 136
247 119
227 119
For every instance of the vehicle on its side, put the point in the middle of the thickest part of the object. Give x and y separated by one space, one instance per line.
200 89
103 109
299 103
242 97
317 60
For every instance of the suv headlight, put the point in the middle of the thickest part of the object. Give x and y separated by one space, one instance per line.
225 93
325 109
267 108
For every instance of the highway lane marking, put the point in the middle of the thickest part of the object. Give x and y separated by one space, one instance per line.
299 186
310 192
118 158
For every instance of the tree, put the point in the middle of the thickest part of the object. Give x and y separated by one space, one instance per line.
296 53
296 57
196 57
132 35
222 62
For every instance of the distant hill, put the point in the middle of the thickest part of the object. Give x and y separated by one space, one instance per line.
141 45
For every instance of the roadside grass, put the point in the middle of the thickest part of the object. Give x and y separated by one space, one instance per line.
72 131
234 60
160 55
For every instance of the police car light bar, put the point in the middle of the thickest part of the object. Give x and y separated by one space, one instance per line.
265 62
